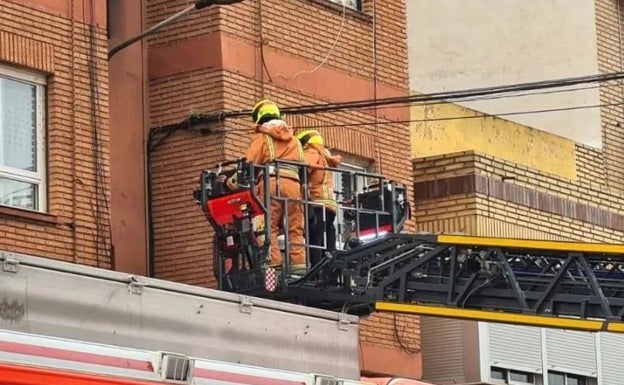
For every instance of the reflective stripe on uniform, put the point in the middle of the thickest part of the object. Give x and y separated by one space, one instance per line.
325 198
329 204
325 180
283 174
269 142
284 170
301 153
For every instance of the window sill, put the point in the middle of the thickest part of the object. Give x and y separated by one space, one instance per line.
20 214
335 7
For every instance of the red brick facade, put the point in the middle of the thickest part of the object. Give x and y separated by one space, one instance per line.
45 38
227 58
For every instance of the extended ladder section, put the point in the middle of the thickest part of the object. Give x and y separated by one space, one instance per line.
543 283
583 283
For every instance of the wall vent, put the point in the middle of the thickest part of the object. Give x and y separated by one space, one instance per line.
176 368
320 379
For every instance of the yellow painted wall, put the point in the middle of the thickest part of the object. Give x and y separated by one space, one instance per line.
434 132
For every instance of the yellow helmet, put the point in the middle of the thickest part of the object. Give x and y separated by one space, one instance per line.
310 137
265 110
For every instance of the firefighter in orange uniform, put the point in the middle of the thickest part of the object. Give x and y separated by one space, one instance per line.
321 190
274 139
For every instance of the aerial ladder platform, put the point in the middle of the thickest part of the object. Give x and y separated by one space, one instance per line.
570 285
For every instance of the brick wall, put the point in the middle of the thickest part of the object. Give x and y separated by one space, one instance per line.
484 195
181 234
610 55
392 330
49 43
590 165
295 31
195 24
308 29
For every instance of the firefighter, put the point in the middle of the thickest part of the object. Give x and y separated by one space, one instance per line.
275 140
321 190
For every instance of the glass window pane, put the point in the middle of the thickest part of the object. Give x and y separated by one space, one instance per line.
343 190
18 125
521 377
349 3
556 379
574 380
18 194
498 374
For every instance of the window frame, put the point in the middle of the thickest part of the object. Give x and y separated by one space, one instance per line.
507 376
354 164
566 376
36 178
358 4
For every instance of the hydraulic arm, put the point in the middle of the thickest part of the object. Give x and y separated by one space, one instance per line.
544 283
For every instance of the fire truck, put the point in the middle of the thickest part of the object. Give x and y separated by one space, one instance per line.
380 267
63 323
28 359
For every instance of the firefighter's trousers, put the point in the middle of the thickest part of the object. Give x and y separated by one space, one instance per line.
319 226
291 216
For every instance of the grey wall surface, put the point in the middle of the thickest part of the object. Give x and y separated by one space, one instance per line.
456 45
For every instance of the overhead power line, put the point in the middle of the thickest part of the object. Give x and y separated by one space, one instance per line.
412 99
425 120
453 95
508 95
462 117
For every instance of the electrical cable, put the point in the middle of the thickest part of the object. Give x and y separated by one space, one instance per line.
103 230
480 116
72 73
424 120
153 142
196 6
436 96
477 98
399 340
375 86
500 96
453 95
170 129
331 50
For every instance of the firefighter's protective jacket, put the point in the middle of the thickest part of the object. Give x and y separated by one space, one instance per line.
321 181
275 140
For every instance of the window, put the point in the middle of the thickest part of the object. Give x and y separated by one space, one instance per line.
342 189
22 139
513 377
520 377
498 374
559 378
355 4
